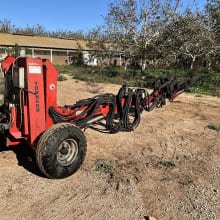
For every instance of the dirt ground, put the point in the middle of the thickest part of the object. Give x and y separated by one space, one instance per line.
168 168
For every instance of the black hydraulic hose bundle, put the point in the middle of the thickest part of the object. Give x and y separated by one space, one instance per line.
130 108
115 122
90 105
124 108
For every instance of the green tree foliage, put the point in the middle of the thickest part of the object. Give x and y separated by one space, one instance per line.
136 25
77 58
213 12
189 37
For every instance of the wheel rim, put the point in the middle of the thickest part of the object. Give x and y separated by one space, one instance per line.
67 152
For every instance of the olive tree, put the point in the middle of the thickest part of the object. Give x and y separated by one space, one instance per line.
136 25
213 16
189 36
213 12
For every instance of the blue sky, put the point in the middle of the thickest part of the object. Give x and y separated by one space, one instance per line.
58 14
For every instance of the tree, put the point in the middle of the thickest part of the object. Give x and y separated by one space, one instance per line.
213 12
6 26
135 25
78 58
189 37
100 45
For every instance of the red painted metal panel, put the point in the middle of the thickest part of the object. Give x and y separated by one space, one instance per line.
14 130
36 99
15 136
6 64
50 87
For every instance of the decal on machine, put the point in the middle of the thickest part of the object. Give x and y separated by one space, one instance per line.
36 91
35 69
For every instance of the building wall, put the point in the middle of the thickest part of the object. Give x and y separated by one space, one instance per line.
61 56
58 57
113 61
60 60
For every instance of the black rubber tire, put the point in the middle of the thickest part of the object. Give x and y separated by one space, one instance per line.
47 148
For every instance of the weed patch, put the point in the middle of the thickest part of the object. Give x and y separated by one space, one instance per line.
214 127
103 166
62 78
167 163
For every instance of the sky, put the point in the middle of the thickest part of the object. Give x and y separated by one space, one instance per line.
59 14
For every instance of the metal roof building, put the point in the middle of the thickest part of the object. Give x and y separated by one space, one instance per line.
41 42
56 49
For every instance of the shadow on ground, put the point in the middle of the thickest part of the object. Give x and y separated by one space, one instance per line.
25 156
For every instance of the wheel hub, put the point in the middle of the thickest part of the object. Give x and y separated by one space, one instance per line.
67 152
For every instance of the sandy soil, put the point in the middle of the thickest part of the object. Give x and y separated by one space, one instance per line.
141 182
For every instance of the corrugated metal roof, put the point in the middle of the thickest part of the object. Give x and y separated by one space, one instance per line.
41 42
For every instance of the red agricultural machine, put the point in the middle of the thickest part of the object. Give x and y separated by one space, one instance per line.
30 114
